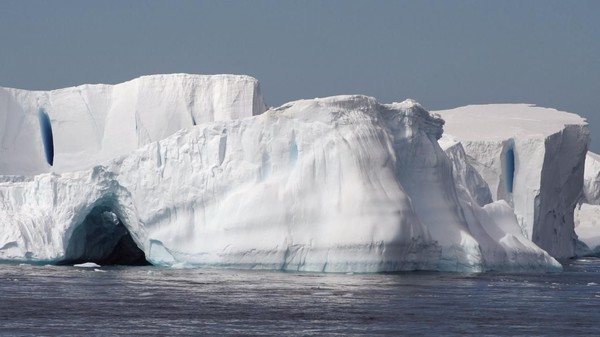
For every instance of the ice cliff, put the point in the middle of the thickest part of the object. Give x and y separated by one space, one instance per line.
533 159
587 213
334 184
75 128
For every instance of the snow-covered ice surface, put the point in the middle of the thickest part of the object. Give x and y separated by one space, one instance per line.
335 184
75 128
533 159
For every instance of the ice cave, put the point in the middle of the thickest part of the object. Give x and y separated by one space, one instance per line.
103 238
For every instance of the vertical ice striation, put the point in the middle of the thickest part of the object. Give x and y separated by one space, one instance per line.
425 173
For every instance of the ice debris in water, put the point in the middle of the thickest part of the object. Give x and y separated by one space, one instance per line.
87 265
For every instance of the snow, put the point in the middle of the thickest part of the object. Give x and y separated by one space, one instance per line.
337 184
533 159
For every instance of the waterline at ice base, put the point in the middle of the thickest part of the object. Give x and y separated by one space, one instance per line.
194 170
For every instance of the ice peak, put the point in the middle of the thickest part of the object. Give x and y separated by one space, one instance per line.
408 103
410 112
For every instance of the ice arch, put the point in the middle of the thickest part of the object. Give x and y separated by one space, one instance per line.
104 239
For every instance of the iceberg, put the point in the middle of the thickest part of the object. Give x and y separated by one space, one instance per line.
87 265
533 159
76 128
336 184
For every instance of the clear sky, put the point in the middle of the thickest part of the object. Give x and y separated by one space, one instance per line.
444 54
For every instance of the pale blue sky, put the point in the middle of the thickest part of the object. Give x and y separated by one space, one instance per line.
442 53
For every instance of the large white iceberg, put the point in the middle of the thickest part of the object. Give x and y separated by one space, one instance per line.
533 159
335 184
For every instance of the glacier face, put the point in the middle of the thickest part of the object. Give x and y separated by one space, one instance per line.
76 128
532 158
334 184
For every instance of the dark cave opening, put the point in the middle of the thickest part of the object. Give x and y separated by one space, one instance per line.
47 137
102 238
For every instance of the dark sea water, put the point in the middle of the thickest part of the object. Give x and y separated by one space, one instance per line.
139 301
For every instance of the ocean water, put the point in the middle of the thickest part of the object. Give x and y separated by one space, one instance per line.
141 301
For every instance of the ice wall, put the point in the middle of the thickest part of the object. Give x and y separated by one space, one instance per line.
334 184
587 227
587 213
465 175
531 157
492 223
591 179
90 124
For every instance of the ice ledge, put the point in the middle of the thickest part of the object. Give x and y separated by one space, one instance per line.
502 121
144 78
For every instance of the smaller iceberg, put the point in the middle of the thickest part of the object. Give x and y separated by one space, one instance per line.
86 265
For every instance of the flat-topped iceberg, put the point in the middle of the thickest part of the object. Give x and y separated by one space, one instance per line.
335 184
533 159
76 128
